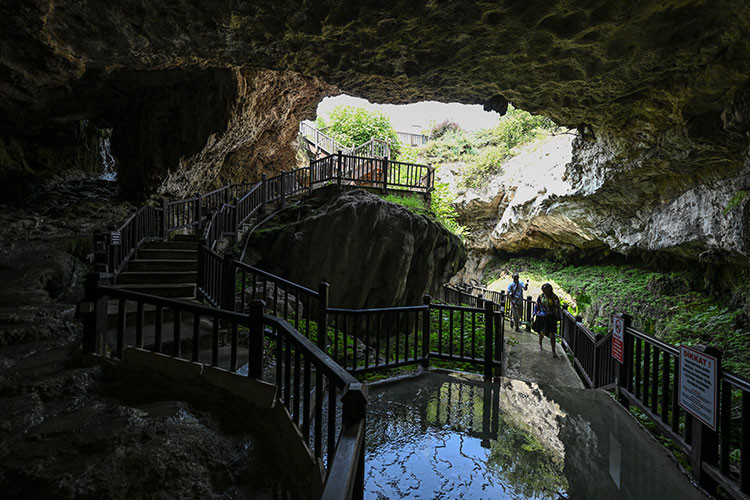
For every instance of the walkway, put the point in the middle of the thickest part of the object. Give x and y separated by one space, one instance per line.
526 363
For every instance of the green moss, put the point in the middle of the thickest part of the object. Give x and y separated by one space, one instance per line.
735 201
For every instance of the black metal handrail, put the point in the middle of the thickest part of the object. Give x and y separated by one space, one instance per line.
340 401
649 379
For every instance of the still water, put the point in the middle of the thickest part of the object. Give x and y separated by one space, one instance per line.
452 436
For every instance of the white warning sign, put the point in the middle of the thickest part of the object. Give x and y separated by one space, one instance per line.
699 385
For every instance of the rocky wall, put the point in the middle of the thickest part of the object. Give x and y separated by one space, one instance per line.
372 253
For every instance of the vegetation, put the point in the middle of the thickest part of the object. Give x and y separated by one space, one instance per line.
736 201
442 209
665 305
484 152
352 126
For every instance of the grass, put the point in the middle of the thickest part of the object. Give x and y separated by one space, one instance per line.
441 211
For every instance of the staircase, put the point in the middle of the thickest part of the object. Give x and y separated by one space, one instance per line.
164 268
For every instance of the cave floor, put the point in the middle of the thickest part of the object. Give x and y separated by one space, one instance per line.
526 362
449 435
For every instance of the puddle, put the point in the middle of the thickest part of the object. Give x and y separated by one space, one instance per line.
450 436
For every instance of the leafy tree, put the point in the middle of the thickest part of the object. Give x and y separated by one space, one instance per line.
352 126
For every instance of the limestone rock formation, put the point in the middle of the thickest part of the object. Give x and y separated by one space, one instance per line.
373 253
260 133
563 193
665 81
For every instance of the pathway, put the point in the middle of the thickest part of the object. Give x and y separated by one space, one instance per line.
526 363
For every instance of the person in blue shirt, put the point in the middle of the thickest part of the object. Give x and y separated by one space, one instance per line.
515 292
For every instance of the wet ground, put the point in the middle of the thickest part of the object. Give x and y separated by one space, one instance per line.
527 362
452 436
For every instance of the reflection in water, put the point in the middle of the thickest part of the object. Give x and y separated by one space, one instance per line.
448 436
452 441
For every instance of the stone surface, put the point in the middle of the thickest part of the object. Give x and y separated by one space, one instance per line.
562 193
373 253
663 83
261 130
74 432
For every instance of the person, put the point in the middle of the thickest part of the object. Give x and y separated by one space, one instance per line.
547 312
515 292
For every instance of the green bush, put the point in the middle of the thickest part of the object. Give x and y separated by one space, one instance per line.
353 126
442 209
438 130
452 146
487 163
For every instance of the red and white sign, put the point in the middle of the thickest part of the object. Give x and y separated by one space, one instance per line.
618 337
699 384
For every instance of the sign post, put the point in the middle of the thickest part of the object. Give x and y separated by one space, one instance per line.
699 384
618 338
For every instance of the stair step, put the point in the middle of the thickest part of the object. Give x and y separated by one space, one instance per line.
156 276
186 237
176 290
171 245
164 254
141 265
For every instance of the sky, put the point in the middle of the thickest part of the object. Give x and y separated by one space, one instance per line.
416 117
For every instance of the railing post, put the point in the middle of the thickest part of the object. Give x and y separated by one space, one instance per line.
227 189
164 219
385 174
94 311
101 252
198 211
310 177
704 446
235 218
322 314
623 372
529 301
282 178
430 175
499 326
426 332
255 370
228 285
263 193
488 334
353 411
338 169
200 276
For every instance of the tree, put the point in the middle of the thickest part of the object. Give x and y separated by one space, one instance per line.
352 126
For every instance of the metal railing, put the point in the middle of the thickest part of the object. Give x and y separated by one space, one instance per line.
649 378
325 403
411 139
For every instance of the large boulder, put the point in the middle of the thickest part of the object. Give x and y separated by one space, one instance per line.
372 252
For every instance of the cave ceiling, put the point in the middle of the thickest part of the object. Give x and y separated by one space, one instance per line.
608 63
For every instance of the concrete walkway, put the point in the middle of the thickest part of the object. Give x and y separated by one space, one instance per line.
526 363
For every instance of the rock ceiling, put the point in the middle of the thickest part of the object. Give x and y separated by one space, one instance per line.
660 88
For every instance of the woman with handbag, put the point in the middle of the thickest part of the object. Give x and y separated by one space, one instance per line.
547 312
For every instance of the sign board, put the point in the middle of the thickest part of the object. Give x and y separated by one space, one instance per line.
114 238
618 337
699 383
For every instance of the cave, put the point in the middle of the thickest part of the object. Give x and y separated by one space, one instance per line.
185 98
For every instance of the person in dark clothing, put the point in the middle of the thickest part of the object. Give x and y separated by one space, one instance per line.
547 312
